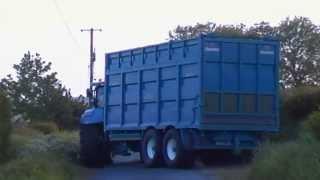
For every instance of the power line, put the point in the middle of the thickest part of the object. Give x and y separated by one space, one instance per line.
64 21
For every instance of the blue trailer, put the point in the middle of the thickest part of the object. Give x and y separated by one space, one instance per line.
170 100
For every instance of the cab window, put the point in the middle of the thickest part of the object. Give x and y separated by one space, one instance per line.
100 96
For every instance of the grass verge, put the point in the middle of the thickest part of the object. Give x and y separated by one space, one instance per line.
36 156
45 166
293 160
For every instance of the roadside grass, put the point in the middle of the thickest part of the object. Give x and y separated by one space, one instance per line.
294 160
38 156
293 153
281 160
44 166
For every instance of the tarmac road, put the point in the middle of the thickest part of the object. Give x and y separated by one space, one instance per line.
129 168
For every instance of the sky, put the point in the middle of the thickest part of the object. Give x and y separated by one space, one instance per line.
52 27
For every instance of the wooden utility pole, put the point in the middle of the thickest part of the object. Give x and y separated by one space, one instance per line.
92 55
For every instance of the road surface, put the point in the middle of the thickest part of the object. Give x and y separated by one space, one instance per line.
129 168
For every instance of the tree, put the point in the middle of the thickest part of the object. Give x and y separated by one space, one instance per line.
187 32
261 30
258 30
300 52
32 88
36 92
230 30
5 125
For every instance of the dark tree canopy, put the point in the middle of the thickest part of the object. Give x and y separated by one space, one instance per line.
5 125
30 89
187 32
300 45
262 29
300 50
37 93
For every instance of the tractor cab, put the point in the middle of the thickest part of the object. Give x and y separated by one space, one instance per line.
94 114
97 96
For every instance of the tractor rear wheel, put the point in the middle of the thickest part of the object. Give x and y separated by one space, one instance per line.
94 149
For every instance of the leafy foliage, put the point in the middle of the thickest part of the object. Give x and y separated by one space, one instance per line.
187 32
37 167
32 90
298 103
45 127
312 124
36 92
300 45
261 29
63 143
295 160
36 156
5 125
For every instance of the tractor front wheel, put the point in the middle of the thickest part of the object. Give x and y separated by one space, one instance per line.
94 149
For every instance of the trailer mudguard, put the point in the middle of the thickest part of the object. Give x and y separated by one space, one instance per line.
92 116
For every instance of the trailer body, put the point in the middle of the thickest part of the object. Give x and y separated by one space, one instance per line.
220 92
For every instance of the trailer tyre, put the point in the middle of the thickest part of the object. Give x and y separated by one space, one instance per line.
174 153
151 148
94 150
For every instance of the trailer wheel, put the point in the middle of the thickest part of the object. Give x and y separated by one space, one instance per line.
151 148
94 150
174 154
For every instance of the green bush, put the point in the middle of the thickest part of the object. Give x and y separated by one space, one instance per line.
5 126
312 124
37 167
45 127
41 157
65 144
26 131
298 103
288 161
69 112
295 106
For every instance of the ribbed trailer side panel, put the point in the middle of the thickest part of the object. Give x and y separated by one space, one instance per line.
155 86
240 84
210 83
